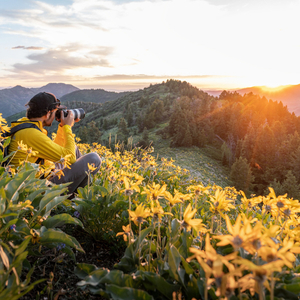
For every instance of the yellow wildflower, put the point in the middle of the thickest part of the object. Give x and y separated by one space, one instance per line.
240 235
259 274
92 167
157 211
139 214
198 189
125 233
155 191
21 146
189 222
65 161
130 187
172 199
220 203
35 236
273 252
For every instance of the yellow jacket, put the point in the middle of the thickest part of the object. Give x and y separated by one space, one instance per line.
47 149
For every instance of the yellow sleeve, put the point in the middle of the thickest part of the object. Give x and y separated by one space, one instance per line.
60 137
63 145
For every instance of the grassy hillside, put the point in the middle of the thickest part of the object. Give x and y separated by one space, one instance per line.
204 163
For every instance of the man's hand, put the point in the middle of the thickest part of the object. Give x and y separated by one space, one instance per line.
68 120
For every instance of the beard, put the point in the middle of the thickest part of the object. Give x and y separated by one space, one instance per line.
48 122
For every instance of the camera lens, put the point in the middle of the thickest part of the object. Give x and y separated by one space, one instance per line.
78 113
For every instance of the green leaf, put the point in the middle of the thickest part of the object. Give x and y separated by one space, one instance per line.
32 196
60 220
125 293
175 227
174 260
19 260
128 261
18 182
119 278
48 202
70 252
82 270
159 283
188 269
54 236
2 201
93 278
186 242
145 232
103 190
23 246
293 287
49 196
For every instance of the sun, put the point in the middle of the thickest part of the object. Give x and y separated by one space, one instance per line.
273 89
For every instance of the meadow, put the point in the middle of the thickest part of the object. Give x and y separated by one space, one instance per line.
184 237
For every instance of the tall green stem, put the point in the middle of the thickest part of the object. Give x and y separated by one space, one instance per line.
150 241
272 286
180 211
169 219
158 237
139 244
129 221
196 200
261 291
212 224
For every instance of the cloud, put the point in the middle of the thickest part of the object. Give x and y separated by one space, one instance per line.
59 60
28 48
153 77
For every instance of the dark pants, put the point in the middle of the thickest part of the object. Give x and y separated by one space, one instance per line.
78 173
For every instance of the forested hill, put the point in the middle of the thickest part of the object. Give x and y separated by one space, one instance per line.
259 139
148 108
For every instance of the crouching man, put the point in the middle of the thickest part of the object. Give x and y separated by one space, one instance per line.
41 112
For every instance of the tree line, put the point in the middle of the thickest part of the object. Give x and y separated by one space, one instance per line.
259 138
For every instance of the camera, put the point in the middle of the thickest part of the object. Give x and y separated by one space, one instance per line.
78 113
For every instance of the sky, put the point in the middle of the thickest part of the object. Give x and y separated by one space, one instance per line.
123 45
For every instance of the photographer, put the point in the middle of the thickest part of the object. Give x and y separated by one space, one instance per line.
41 112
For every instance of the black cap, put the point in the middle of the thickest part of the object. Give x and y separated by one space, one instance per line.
43 102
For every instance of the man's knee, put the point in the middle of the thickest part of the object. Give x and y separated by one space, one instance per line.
95 159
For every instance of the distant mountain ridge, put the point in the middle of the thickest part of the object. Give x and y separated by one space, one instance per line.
58 89
92 95
289 95
13 100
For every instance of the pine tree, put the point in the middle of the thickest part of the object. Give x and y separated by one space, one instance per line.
122 130
94 132
105 124
241 175
291 186
144 142
187 140
129 117
83 134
